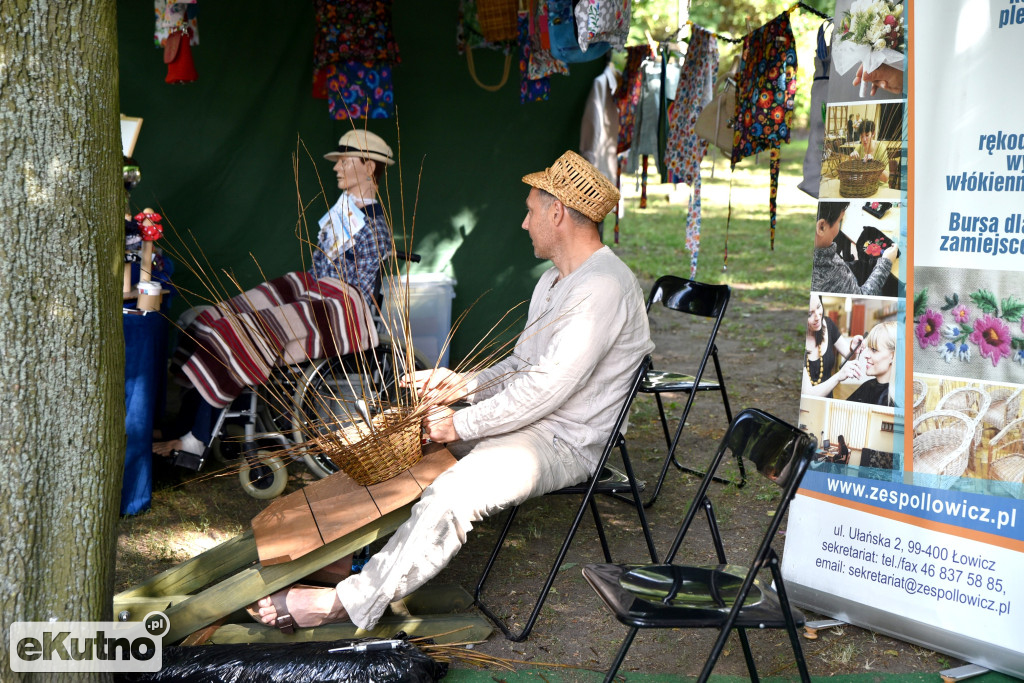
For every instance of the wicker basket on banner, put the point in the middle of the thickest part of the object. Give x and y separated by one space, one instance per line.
942 444
859 178
920 398
497 19
1004 408
370 456
974 404
1006 456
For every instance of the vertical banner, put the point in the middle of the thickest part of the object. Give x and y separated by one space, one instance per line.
911 520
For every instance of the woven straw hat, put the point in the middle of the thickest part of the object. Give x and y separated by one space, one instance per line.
577 184
362 144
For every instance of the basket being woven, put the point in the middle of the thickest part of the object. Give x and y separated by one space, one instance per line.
370 456
859 178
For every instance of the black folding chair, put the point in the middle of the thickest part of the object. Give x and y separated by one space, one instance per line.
722 596
606 480
708 301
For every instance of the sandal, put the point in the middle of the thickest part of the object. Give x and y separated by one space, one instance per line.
284 621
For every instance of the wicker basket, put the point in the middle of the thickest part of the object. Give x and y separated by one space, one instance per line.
497 20
974 404
920 398
859 178
1006 456
942 442
372 456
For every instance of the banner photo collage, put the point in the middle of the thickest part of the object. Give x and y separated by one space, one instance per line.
913 377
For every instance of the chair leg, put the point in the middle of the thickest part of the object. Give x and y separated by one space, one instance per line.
794 638
728 414
620 655
748 655
600 531
532 619
638 503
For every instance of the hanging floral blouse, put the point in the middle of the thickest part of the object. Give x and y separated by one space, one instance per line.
685 149
530 89
353 31
356 90
766 86
627 96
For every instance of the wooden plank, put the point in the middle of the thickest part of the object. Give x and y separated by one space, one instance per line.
249 585
193 574
340 506
136 609
285 529
201 636
439 599
436 459
395 492
443 628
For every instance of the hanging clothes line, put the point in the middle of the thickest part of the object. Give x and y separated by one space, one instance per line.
799 5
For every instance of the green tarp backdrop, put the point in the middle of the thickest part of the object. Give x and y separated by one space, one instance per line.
216 154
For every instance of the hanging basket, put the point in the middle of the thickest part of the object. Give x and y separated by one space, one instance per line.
858 178
370 456
497 20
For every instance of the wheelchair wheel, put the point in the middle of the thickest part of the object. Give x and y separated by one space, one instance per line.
337 392
263 477
335 395
228 446
393 364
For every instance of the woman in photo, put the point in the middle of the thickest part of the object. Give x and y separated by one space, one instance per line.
824 341
843 456
879 364
868 148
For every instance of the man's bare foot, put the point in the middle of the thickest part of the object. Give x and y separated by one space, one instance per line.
307 606
164 448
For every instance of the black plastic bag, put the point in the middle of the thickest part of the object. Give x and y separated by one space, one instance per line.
295 663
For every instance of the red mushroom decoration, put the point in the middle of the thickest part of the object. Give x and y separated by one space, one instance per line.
151 230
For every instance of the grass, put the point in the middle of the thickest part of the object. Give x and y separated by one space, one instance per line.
652 241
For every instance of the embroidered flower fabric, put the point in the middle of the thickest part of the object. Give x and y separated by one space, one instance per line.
627 97
530 89
357 90
766 86
685 150
602 20
969 324
353 53
353 31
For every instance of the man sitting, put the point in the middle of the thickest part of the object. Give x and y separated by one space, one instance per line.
538 419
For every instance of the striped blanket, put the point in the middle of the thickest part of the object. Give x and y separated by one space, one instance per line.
287 320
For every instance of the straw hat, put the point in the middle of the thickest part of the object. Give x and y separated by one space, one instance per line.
362 144
576 183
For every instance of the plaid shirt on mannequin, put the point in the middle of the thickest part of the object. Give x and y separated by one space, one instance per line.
357 265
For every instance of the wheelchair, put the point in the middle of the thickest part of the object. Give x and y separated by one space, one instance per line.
263 431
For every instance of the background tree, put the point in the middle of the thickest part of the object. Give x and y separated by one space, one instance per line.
61 344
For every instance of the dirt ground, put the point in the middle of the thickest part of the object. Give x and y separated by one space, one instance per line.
761 355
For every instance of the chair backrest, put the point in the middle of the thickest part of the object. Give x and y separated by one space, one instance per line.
634 386
689 296
778 450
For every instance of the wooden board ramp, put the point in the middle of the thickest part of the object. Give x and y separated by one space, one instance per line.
293 537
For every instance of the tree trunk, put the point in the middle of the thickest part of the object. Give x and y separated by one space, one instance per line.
61 344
